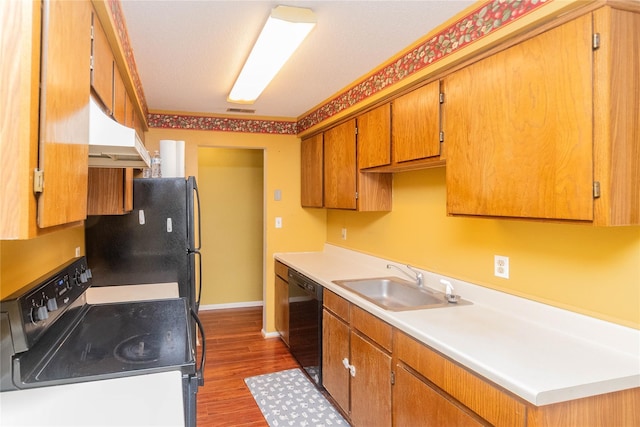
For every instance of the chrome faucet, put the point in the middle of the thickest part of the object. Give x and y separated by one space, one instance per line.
419 277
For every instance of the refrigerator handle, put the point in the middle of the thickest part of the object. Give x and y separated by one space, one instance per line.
199 255
203 355
197 200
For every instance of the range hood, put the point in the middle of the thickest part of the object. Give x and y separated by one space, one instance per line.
112 145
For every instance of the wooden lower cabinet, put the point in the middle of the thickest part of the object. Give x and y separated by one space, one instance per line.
380 376
356 369
282 301
474 394
370 383
416 403
335 349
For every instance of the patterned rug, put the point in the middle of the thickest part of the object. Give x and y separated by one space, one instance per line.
288 398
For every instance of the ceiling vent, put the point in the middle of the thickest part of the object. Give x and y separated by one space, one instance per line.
241 110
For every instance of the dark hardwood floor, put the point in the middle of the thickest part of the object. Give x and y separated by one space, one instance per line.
236 350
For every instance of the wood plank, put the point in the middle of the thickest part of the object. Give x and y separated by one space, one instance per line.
236 350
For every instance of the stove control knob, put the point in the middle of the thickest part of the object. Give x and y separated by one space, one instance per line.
40 313
52 304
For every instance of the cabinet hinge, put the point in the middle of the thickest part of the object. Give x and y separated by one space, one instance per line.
356 130
356 195
596 41
91 63
596 189
441 97
393 378
38 181
441 136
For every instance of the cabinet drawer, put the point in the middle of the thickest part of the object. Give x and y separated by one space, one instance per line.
486 400
282 271
338 305
415 403
374 328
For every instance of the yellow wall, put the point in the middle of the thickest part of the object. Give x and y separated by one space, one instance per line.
231 195
590 270
22 261
303 229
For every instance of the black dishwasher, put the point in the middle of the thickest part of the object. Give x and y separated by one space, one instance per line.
305 324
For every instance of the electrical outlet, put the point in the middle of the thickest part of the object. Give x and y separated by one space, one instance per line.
501 266
344 234
77 251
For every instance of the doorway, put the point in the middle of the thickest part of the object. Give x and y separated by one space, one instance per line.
231 184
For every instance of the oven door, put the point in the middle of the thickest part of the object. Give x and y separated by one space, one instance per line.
142 400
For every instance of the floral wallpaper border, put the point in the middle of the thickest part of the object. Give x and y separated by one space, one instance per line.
484 20
221 124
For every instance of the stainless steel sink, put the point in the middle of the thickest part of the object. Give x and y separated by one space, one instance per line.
392 293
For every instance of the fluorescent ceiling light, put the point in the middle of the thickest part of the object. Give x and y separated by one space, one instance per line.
284 31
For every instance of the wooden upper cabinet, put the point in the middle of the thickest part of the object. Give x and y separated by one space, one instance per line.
340 166
374 137
48 129
110 191
415 118
119 99
102 71
19 35
311 172
616 119
344 186
64 112
519 130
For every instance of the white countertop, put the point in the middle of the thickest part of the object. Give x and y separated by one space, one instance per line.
142 400
541 353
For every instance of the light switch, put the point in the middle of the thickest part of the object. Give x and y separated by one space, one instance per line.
277 195
278 222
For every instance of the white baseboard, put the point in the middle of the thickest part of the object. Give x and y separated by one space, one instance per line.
266 334
231 305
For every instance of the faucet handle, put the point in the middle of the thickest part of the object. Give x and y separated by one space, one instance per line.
419 275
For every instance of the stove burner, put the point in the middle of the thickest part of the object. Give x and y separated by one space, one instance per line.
143 348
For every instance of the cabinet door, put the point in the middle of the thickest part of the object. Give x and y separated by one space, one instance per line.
340 166
282 308
415 403
518 127
416 124
64 112
103 66
20 46
119 98
371 385
374 137
335 348
311 170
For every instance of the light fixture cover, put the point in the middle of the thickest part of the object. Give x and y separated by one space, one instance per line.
283 32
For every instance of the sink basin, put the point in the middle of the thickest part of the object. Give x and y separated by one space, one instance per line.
394 294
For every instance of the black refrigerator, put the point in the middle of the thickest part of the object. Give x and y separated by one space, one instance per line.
158 242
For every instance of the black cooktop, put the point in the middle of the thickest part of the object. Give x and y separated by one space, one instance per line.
112 340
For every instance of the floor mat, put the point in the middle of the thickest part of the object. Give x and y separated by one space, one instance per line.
288 398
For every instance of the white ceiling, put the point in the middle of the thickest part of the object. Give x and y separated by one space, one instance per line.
188 53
